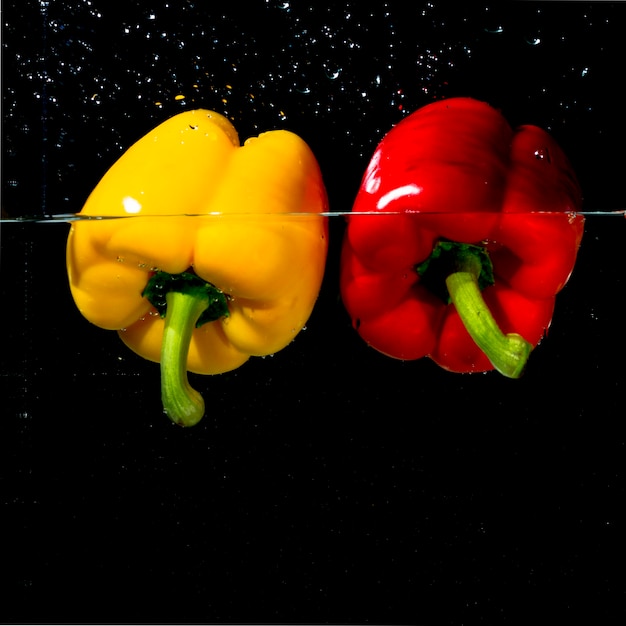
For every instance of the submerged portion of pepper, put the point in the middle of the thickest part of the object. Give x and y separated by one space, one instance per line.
192 202
451 175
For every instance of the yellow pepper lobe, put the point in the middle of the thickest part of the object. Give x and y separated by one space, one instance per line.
246 219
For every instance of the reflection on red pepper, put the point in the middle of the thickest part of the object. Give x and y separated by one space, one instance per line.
476 232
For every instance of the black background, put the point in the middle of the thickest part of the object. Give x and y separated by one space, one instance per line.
327 483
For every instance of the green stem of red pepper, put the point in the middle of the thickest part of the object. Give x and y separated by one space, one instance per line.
466 270
507 353
186 302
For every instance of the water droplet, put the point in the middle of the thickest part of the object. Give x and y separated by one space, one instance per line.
332 72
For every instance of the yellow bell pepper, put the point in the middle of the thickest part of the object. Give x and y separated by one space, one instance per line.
190 227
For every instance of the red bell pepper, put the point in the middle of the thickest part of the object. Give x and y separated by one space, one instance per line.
476 228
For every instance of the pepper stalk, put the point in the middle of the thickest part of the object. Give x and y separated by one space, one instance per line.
467 270
186 302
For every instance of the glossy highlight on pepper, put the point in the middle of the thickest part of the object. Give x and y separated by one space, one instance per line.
460 195
244 220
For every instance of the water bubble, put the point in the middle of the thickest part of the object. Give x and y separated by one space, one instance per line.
332 72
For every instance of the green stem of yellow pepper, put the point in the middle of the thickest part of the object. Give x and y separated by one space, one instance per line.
182 404
186 302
